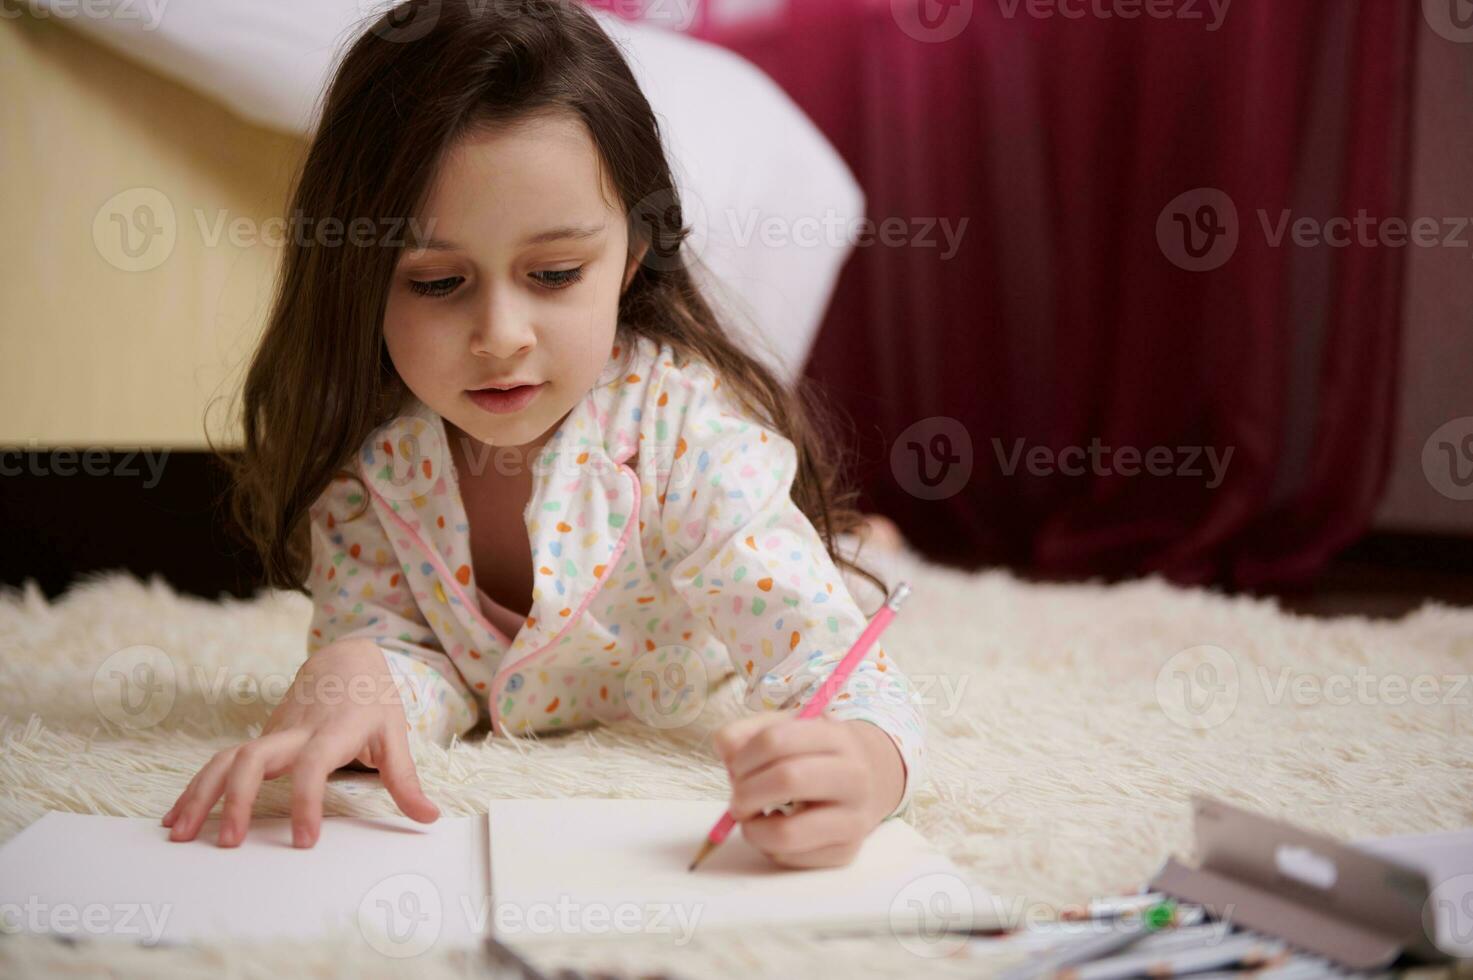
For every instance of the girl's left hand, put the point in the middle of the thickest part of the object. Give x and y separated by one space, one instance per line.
847 776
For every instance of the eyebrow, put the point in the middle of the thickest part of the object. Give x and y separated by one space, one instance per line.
561 233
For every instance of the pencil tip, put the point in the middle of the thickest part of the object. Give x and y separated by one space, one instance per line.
706 848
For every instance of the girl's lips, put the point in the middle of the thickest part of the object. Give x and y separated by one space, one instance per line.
508 401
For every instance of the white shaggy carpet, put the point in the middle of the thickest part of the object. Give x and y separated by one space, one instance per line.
1057 771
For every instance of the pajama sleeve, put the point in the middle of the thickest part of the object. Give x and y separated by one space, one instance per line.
745 557
358 590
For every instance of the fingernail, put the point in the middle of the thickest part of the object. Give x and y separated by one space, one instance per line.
299 837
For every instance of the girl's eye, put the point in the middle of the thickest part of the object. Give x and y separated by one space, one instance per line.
559 278
436 287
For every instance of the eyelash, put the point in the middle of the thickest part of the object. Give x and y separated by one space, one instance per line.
435 288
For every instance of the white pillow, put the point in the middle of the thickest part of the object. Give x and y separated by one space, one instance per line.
770 200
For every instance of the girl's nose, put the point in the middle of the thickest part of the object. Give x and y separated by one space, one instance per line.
504 326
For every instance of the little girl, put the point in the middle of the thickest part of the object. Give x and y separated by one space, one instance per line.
538 484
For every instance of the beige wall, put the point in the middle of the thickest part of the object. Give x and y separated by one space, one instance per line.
92 354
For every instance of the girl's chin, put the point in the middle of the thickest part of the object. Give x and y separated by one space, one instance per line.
513 432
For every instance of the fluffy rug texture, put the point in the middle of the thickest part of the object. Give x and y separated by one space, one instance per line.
1068 726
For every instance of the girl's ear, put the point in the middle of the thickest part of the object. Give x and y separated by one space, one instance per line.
636 256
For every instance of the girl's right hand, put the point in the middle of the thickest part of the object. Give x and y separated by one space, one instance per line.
343 706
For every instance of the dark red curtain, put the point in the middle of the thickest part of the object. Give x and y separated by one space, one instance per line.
1129 285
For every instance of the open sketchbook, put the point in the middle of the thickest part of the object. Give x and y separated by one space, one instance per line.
556 868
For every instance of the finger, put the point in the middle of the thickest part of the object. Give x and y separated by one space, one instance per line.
173 813
812 828
813 778
209 784
791 737
734 734
400 777
262 759
325 751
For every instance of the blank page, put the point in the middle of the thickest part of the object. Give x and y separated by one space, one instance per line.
611 866
399 884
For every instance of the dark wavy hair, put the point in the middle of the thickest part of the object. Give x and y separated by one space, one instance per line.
421 76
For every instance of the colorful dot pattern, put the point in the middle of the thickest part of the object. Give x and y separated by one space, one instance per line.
663 534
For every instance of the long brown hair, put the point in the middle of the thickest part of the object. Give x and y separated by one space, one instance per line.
420 77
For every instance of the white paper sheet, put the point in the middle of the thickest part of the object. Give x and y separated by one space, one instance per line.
401 886
604 867
559 868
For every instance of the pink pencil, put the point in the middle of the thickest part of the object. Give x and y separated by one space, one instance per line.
821 697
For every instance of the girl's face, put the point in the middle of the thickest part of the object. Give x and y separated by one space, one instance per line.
526 253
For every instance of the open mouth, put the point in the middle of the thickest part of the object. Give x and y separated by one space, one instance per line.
503 402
